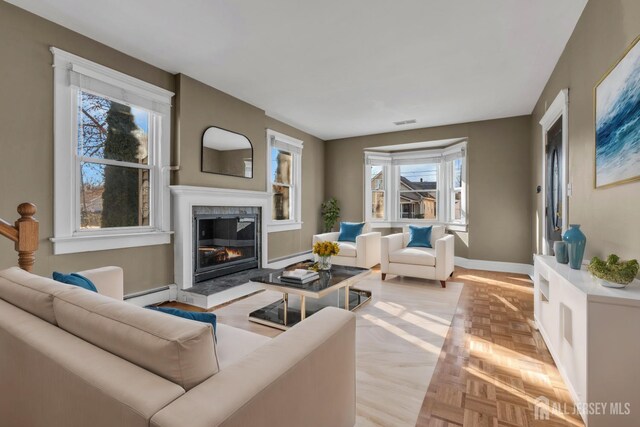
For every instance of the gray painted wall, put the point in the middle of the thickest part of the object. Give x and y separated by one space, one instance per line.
26 142
26 138
609 217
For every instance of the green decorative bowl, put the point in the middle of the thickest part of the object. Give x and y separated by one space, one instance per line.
614 273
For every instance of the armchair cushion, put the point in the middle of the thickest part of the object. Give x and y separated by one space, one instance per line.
347 249
419 237
349 231
414 256
437 232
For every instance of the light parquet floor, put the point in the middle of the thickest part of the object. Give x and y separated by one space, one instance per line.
494 363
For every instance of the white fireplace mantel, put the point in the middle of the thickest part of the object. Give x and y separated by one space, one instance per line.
184 198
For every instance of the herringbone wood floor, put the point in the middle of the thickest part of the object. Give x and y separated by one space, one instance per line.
494 364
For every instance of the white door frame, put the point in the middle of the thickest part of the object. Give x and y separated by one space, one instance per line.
559 107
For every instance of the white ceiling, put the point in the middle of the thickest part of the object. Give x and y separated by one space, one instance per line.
338 68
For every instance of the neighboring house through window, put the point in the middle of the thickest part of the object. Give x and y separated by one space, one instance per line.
427 185
111 158
284 171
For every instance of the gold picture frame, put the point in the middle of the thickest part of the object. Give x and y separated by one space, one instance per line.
612 181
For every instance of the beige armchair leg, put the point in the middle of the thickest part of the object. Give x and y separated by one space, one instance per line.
443 283
384 276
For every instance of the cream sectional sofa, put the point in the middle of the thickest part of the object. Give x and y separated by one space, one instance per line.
70 357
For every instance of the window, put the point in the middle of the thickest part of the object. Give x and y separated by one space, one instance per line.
416 186
285 181
456 190
111 163
418 191
377 191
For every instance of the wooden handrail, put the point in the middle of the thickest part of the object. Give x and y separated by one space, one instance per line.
25 235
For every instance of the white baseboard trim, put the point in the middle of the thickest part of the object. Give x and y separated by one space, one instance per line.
505 267
283 262
154 296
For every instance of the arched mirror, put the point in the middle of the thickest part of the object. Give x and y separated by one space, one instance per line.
226 153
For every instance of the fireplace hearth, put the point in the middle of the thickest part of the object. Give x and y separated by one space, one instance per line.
224 244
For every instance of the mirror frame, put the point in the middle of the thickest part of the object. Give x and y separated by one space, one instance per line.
225 174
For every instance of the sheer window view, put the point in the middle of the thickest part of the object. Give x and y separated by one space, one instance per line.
113 150
281 182
418 191
377 192
457 189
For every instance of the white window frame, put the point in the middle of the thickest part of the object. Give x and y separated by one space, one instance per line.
67 237
445 192
293 146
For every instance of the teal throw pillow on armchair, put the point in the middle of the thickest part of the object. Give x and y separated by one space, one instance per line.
349 231
419 237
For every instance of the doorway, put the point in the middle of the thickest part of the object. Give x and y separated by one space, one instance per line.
555 188
553 185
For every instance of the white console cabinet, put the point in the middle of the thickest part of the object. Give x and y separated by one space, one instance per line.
593 334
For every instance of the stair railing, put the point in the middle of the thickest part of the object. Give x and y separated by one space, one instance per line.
25 235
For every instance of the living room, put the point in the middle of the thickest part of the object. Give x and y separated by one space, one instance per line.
377 214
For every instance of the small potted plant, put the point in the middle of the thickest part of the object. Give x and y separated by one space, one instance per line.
324 251
330 213
613 272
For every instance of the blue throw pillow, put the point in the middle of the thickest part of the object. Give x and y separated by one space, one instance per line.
76 280
349 231
204 317
419 237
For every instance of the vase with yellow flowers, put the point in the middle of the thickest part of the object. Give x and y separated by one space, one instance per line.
324 251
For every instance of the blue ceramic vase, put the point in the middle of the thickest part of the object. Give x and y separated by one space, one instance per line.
560 249
576 242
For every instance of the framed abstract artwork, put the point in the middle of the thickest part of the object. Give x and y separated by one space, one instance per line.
617 121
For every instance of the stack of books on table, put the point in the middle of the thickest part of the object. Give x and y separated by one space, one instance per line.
299 276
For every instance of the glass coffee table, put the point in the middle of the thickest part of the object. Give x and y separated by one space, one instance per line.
333 288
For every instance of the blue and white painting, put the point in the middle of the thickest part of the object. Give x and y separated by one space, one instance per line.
618 122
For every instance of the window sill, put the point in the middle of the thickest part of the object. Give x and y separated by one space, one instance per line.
399 224
103 242
275 227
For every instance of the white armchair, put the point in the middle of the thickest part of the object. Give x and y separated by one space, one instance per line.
365 252
435 263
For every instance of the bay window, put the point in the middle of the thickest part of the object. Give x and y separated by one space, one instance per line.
416 186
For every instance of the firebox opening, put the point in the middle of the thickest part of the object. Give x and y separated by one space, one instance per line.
225 244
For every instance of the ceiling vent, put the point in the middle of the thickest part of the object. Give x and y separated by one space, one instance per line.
404 122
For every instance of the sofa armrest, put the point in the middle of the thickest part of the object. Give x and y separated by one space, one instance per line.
388 244
108 280
326 237
368 249
303 377
444 257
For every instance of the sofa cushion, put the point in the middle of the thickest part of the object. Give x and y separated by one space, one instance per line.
414 256
197 316
33 294
234 344
179 350
75 279
347 249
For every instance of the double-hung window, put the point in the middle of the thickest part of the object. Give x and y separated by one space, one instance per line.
111 158
418 191
416 186
284 172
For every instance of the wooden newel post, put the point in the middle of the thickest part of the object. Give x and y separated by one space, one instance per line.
27 243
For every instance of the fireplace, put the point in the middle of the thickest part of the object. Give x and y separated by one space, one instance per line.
224 244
